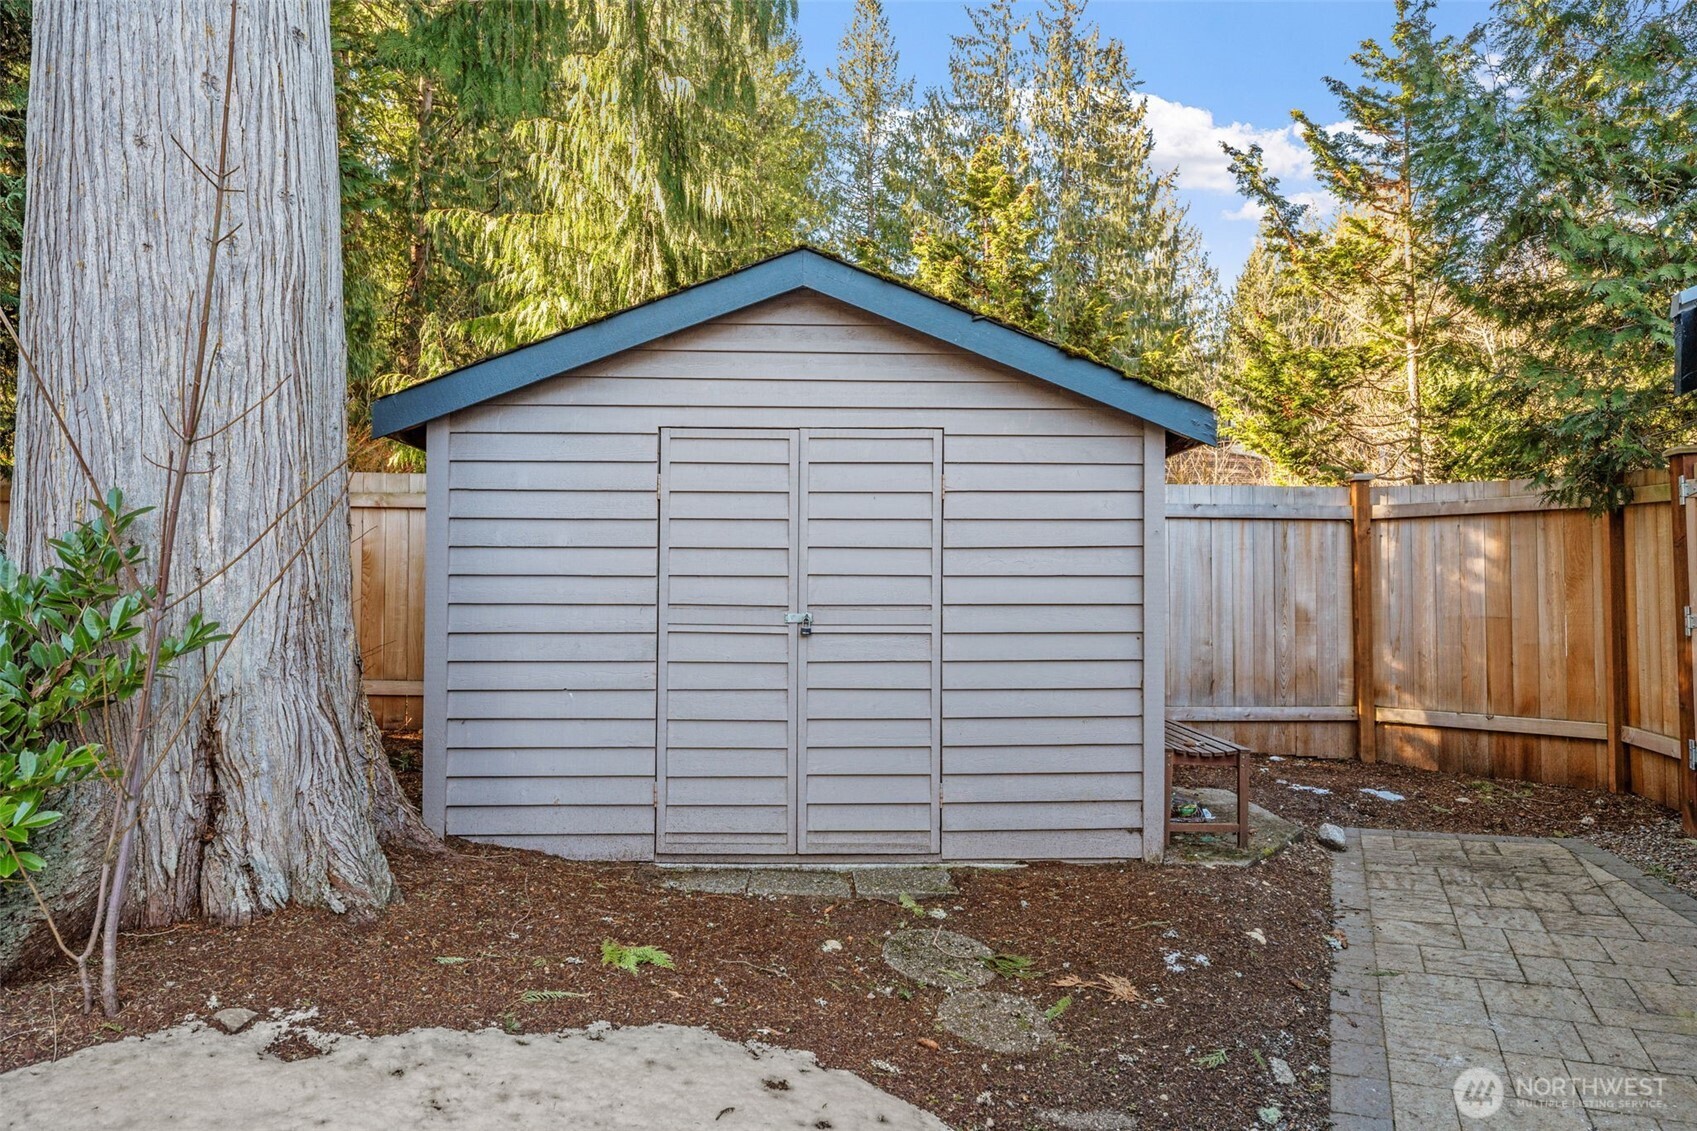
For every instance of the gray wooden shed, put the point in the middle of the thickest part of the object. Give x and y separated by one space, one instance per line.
796 563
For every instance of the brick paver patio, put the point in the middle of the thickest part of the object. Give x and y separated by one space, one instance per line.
1557 967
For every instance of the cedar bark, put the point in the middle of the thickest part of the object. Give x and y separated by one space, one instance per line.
277 790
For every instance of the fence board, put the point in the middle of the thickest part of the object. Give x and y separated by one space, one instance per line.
1489 604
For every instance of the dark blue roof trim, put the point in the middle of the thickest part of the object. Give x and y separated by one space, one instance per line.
405 413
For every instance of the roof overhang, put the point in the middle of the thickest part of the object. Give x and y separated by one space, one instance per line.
405 414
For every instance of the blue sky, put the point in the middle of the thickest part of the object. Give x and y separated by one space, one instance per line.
1213 69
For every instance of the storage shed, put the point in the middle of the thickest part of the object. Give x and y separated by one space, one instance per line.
796 563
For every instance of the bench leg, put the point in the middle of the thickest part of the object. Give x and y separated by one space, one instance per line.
1243 799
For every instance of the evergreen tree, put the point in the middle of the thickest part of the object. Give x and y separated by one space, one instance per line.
511 167
990 72
1125 275
1041 138
986 259
701 162
1570 192
870 169
1376 266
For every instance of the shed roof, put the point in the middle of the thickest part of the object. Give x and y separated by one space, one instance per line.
404 414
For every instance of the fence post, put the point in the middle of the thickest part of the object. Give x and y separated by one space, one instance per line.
1362 641
1682 467
1614 649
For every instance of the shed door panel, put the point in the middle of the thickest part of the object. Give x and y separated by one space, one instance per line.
726 711
772 742
870 570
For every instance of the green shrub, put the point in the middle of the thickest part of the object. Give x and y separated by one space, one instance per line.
68 648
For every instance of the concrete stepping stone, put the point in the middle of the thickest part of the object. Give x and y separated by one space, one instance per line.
939 958
998 1022
716 881
783 881
889 884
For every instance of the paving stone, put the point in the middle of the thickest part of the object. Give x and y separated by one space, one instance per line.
1636 953
1597 926
1614 993
1002 1023
1538 1001
1483 938
1606 1044
782 881
1537 1036
1368 1097
1358 1058
720 881
1398 956
1659 998
1542 944
1548 971
890 883
1360 1123
1670 1052
1678 1094
1427 1108
1470 963
1505 918
1401 932
1549 901
1409 1042
1358 1027
1615 970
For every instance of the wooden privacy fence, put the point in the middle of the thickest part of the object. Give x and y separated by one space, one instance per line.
1504 637
388 549
1501 636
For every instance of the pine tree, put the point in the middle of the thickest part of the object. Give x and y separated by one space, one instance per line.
1377 265
870 168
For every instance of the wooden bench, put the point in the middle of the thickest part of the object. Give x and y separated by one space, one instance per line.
1187 746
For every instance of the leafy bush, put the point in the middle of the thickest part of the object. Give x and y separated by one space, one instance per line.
68 649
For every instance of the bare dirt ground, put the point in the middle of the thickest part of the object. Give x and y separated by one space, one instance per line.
1634 829
1229 967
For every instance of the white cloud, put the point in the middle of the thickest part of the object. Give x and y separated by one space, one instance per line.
1188 137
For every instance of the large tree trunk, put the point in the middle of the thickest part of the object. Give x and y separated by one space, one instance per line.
275 791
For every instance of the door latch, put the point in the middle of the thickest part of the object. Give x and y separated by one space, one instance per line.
805 620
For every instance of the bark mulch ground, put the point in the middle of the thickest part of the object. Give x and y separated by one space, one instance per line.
1632 828
491 936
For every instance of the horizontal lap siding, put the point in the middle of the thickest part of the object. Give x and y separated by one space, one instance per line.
550 642
1043 646
552 547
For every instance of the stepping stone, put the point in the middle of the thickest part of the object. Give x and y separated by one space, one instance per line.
816 885
935 957
1269 833
1088 1120
998 1022
888 884
718 881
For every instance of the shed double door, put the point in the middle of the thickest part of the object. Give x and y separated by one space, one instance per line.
776 736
